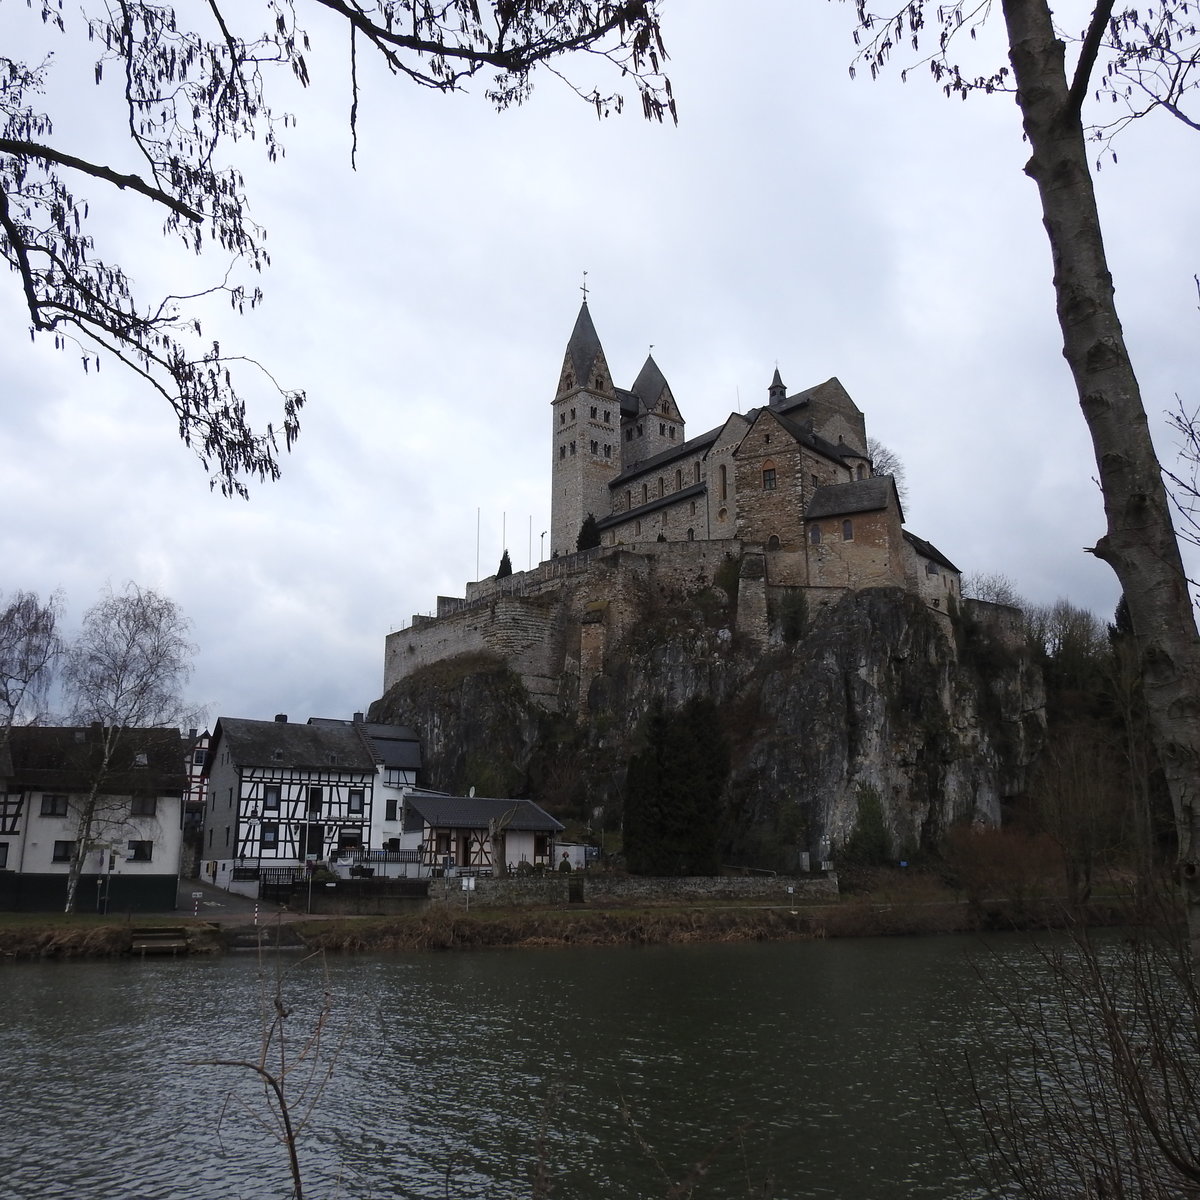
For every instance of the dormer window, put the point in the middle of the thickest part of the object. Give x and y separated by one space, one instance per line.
277 755
333 760
140 759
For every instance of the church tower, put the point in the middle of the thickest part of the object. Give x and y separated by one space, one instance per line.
586 436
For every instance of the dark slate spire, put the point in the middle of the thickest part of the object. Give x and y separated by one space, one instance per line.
583 347
650 384
776 391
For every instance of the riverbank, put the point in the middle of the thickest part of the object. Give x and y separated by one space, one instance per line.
904 907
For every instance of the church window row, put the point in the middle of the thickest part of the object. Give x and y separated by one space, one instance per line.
607 415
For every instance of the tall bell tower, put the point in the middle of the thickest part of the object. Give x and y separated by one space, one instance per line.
586 436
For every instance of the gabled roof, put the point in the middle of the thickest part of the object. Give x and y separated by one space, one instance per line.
312 747
67 758
392 745
651 506
842 499
929 550
831 392
474 812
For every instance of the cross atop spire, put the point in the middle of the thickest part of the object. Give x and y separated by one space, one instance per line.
583 289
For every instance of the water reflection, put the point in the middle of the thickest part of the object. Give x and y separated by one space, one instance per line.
809 1064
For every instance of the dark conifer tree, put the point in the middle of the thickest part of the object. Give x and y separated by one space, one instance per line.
505 567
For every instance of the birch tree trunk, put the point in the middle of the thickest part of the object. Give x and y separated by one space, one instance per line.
1140 543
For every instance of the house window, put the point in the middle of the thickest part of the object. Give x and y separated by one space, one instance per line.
670 431
695 472
3 855
628 499
64 851
606 411
270 835
356 800
572 414
140 852
773 542
679 480
210 833
662 429
594 407
198 756
768 479
861 471
691 535
639 429
816 482
143 806
664 406
595 447
637 527
645 493
607 451
315 796
393 776
847 531
54 806
389 812
333 760
662 486
271 794
141 759
226 837
277 755
814 535
541 845
693 512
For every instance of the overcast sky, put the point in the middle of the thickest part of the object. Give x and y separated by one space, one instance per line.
876 232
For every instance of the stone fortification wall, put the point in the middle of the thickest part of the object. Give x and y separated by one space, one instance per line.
601 888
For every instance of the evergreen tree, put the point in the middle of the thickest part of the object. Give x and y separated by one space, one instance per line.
505 567
589 535
673 789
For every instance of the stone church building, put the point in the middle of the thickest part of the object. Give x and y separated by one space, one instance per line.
786 491
792 477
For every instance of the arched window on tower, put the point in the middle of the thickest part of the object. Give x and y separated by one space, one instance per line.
662 487
691 535
679 480
696 472
628 499
645 493
773 542
724 482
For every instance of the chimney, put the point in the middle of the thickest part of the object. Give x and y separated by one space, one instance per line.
281 718
358 718
192 734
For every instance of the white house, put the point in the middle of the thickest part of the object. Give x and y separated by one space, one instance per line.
131 860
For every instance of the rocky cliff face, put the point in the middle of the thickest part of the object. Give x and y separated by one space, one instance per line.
871 698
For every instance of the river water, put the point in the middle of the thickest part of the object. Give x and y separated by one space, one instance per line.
809 1068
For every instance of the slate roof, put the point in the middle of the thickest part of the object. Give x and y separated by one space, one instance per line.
649 384
663 457
473 812
584 345
66 758
841 499
392 745
253 744
929 550
651 506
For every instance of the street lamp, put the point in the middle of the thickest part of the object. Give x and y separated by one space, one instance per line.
542 548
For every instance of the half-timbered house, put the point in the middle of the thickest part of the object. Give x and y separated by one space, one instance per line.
281 794
58 786
466 834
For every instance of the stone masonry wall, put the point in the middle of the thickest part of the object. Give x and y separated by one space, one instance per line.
601 888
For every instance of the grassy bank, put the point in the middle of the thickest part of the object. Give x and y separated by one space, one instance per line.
896 905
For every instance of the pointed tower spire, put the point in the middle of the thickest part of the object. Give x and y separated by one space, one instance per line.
777 392
583 348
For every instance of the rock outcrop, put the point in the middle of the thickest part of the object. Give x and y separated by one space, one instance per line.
932 717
